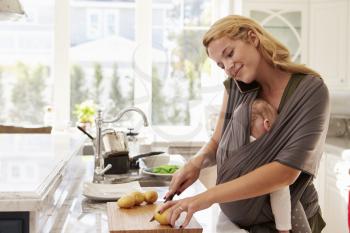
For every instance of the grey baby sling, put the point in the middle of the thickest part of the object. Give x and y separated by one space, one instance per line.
296 139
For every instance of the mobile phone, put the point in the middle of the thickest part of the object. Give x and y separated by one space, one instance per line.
244 87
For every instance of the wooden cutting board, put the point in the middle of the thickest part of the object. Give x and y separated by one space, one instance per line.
137 220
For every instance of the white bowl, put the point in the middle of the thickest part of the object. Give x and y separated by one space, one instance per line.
154 161
162 159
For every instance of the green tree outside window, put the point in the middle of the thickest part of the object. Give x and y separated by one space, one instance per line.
27 94
78 88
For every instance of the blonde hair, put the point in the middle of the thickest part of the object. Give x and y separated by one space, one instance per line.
261 108
275 53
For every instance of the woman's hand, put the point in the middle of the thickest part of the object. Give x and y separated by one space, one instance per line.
183 178
189 205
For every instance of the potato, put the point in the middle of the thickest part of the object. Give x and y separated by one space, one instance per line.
162 218
151 197
138 196
126 201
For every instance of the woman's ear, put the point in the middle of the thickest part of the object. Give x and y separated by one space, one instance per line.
253 38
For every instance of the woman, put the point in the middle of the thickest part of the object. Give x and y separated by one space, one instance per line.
258 66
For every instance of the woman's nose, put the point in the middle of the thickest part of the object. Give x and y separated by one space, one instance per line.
228 68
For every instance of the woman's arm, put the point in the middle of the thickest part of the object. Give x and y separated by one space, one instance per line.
263 180
302 149
205 157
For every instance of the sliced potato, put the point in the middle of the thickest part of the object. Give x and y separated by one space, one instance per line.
162 218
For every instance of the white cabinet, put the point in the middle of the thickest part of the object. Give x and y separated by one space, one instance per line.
337 181
328 41
317 33
320 181
286 20
332 184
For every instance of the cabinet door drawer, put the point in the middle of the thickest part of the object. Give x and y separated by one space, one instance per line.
14 222
11 226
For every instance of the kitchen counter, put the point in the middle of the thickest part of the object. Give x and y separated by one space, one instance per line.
334 184
78 214
31 168
41 174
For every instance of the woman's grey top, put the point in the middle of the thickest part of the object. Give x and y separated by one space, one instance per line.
296 139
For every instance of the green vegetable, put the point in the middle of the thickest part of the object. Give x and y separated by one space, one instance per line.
85 111
165 169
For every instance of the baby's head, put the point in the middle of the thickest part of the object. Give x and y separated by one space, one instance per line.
263 115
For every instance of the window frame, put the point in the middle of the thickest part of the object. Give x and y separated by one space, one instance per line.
89 23
106 25
61 74
143 36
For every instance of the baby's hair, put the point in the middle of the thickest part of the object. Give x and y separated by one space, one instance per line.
261 108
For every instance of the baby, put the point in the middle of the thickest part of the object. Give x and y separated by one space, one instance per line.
263 115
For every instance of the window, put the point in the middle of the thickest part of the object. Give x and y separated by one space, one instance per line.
101 60
111 23
94 24
145 53
26 58
150 55
177 30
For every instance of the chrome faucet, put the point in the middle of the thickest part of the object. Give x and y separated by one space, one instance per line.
99 169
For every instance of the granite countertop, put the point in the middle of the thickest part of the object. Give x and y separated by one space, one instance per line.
78 214
30 165
43 174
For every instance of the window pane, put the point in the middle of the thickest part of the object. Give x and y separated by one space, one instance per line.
179 63
197 13
102 45
26 55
